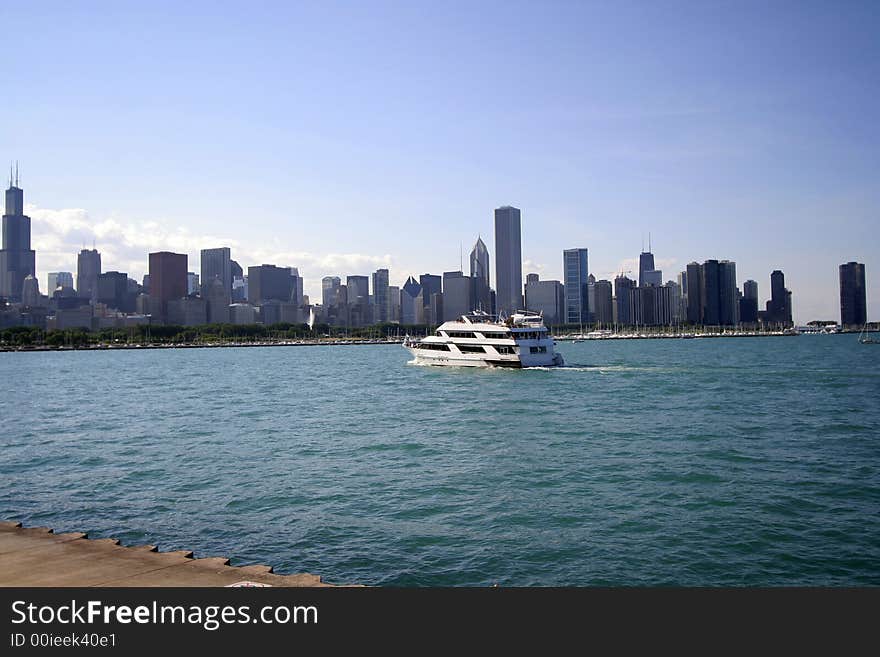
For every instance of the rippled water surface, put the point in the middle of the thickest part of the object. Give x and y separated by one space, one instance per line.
751 461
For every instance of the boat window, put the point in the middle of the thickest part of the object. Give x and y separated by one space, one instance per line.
538 350
504 349
471 348
461 334
494 335
434 346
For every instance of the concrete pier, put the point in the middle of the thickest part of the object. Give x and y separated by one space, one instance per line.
36 556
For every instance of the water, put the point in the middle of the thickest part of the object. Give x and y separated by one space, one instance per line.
752 461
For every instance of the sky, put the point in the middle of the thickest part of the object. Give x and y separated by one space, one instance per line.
339 138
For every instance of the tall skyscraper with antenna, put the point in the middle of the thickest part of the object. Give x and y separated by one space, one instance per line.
646 262
17 259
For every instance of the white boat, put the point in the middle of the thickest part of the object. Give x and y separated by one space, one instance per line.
481 340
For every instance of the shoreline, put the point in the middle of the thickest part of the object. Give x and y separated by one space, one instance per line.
333 342
37 556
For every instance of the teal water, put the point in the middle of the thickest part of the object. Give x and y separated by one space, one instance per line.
749 461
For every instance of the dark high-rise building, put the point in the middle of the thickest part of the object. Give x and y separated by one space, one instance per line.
431 284
236 270
576 281
728 302
778 309
457 299
646 264
113 290
17 259
604 311
412 309
167 279
380 295
359 310
623 288
268 282
481 293
748 305
480 261
508 260
217 264
88 269
853 296
694 292
358 289
710 288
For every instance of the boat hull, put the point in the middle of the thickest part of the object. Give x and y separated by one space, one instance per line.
466 360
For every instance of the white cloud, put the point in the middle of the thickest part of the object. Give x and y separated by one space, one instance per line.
58 235
532 267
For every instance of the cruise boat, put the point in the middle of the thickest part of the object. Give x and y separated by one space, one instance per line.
482 340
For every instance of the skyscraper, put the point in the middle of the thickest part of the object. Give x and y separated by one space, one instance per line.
748 305
30 292
480 261
481 293
546 298
411 306
591 298
604 311
216 263
431 285
646 264
359 310
112 290
457 290
217 298
576 281
853 296
17 259
167 279
329 290
694 281
728 303
380 295
59 279
711 300
623 288
778 308
88 268
508 260
393 303
269 282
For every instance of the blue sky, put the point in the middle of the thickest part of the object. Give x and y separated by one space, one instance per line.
339 138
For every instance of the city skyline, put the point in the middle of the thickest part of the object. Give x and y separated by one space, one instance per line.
720 282
725 131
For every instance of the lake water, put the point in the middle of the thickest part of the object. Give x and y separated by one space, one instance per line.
747 461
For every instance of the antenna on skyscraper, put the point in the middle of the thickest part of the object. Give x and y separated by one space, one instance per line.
16 173
10 173
460 257
649 241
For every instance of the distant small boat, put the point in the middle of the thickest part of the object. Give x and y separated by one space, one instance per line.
864 339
